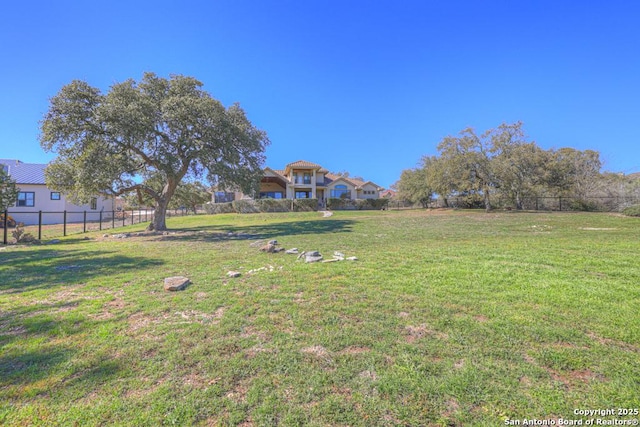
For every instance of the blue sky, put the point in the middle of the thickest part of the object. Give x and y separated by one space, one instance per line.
363 86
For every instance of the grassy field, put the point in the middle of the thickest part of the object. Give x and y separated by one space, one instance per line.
447 318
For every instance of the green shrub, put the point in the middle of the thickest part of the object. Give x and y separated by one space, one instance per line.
245 206
274 205
358 204
219 208
376 204
305 205
341 204
583 205
631 211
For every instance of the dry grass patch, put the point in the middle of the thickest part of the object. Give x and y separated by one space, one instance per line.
414 333
354 350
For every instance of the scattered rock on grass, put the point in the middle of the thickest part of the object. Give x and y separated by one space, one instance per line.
233 274
268 248
176 283
313 256
292 251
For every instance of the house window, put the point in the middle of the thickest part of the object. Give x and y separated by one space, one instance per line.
272 195
55 195
307 178
26 198
340 192
223 197
93 204
303 194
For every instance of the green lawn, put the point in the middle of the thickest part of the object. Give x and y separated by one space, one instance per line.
447 318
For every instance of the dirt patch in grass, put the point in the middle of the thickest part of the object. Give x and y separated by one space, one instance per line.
140 321
369 375
354 350
611 342
316 350
239 392
451 407
568 377
414 333
136 393
252 331
200 296
116 303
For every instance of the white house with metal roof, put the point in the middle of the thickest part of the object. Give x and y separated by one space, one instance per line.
35 197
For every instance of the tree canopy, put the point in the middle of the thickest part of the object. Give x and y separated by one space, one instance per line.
8 191
147 137
501 162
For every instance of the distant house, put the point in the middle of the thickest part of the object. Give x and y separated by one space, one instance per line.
307 180
35 196
389 194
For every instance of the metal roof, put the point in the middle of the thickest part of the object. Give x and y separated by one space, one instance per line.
25 173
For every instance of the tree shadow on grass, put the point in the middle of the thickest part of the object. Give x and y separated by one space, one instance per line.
266 231
41 361
44 268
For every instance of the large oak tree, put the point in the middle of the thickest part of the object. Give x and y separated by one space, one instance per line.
141 133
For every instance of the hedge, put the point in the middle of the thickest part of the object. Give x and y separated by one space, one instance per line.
632 211
245 206
305 205
299 205
358 204
273 205
219 208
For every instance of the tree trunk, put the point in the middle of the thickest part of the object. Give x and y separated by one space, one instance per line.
160 213
518 202
487 201
159 216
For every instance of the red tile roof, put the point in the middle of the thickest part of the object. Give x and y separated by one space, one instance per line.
303 164
328 177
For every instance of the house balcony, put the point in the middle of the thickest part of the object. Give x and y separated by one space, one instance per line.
302 181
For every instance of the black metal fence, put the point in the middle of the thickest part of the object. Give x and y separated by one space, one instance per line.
542 203
550 203
46 224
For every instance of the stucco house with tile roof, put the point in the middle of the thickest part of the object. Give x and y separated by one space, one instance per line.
307 180
35 196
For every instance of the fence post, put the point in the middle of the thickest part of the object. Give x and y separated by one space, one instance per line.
560 200
113 219
64 223
39 225
84 222
536 203
6 217
100 226
145 215
124 214
132 217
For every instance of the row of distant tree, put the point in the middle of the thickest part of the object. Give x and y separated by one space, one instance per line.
502 163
